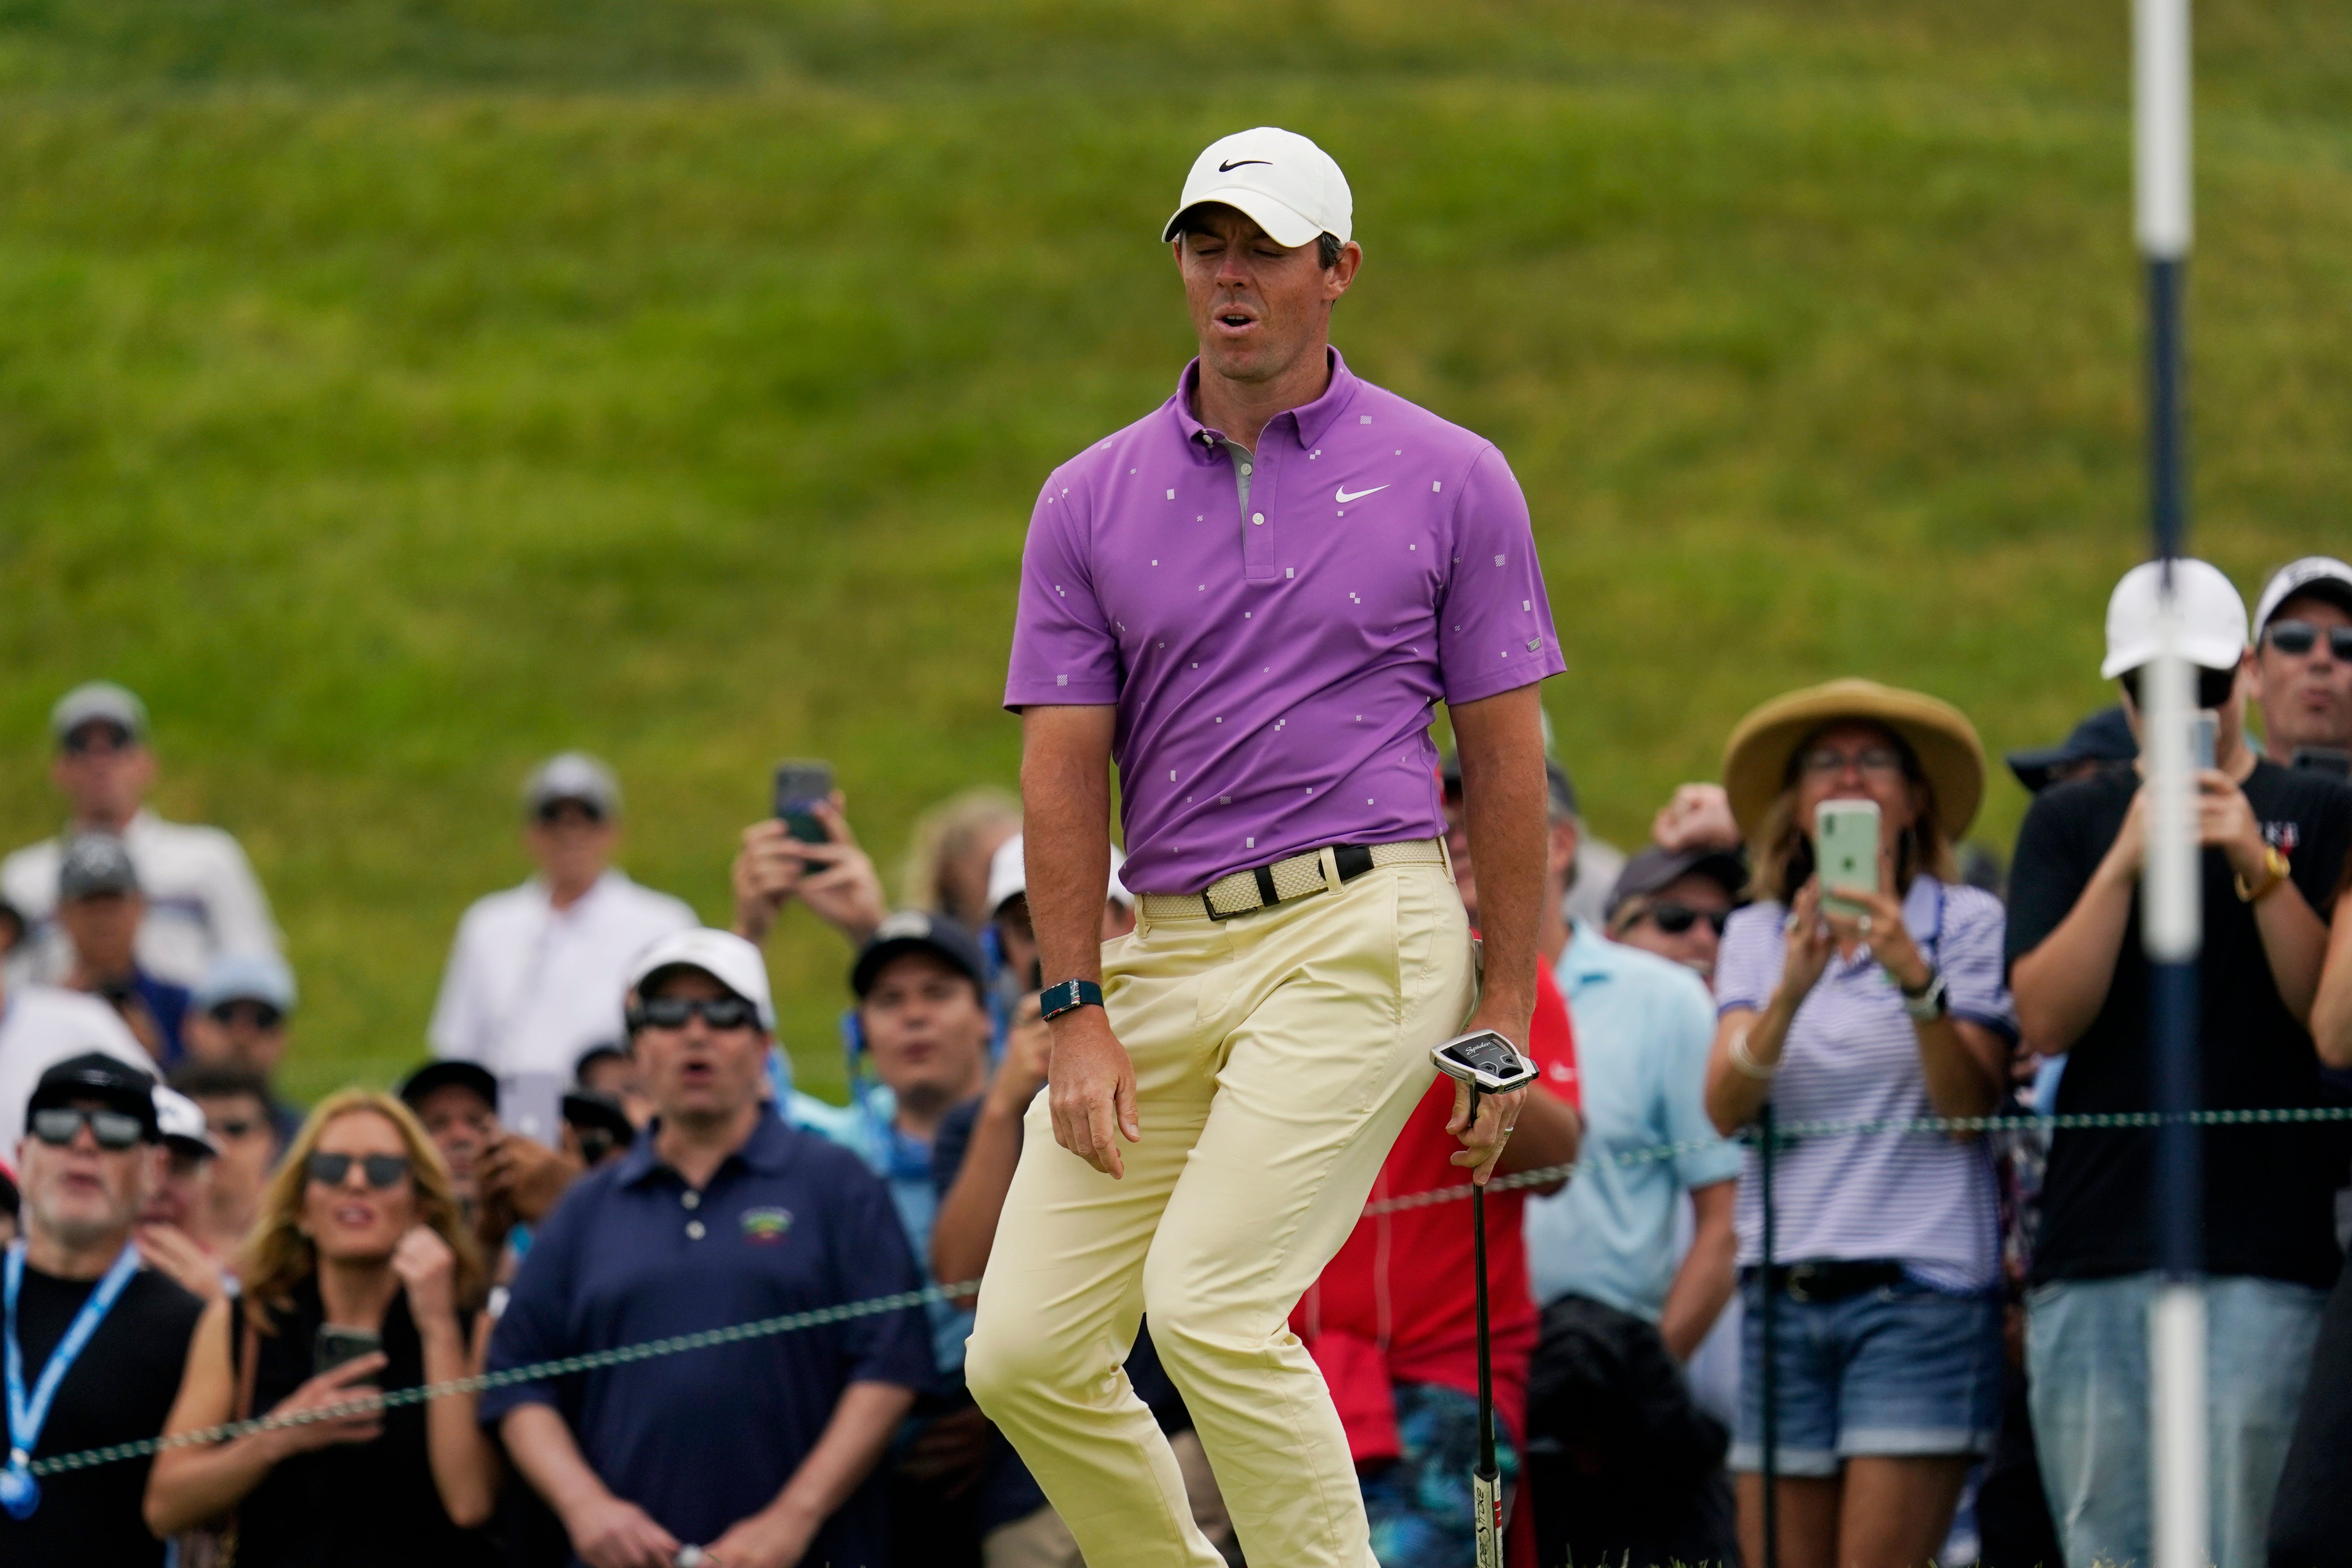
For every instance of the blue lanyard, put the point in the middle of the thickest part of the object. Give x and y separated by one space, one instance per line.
20 1494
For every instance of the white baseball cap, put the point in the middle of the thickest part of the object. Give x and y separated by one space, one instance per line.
1279 179
721 954
181 1124
2212 617
573 775
1008 875
2322 576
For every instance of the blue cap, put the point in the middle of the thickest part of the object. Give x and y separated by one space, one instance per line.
246 977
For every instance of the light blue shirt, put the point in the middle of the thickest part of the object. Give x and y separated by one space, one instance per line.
1644 1027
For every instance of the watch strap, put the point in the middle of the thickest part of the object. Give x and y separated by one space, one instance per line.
1069 997
1930 1001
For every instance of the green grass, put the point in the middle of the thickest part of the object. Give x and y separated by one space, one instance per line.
396 391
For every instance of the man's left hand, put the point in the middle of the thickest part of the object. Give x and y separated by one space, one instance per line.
773 1538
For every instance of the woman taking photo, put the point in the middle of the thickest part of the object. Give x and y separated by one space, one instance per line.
358 1253
1888 1350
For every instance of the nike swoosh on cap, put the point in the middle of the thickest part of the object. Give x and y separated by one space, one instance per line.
1229 168
1343 497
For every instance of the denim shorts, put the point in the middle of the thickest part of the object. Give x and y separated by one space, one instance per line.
1902 1370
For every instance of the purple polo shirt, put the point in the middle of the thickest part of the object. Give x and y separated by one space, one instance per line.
1274 670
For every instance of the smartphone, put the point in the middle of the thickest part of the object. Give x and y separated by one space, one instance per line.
2202 727
1846 843
802 786
1485 1059
2323 760
531 1103
335 1344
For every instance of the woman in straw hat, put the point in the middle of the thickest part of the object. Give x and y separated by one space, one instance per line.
1888 1349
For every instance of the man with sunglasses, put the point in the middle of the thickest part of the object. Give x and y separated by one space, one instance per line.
534 977
202 896
2275 841
1675 904
95 1342
761 1454
238 1017
2302 664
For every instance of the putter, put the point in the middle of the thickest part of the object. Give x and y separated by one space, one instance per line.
1489 1064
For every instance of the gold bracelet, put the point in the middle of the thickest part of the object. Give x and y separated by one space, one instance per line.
1747 1065
2275 867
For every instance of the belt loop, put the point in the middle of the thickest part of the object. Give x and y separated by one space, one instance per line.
1327 860
1446 851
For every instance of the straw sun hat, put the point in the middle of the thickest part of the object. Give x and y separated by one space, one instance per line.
1756 762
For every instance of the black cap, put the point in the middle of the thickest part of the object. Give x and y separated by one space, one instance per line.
1557 783
1654 868
598 1113
443 1073
110 1080
916 930
599 1051
2104 737
95 863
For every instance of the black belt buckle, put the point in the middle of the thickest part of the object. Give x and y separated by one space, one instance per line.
1795 1280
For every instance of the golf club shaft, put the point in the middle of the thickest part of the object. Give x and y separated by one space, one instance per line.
1486 1482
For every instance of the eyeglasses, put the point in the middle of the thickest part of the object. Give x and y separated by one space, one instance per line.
2213 685
2298 638
672 1012
1676 918
260 1014
1871 761
56 1125
381 1171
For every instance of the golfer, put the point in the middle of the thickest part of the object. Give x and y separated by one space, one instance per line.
1252 599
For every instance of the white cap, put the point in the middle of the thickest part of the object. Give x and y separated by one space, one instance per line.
2323 576
181 1121
721 954
573 775
2212 617
1282 182
99 700
1008 875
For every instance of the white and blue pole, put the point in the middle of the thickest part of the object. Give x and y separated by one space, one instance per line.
2171 916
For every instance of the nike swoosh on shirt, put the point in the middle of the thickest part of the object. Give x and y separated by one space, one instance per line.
1343 497
1229 168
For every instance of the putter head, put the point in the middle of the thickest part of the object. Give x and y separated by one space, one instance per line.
1485 1060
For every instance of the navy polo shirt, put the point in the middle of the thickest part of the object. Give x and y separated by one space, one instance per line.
704 1438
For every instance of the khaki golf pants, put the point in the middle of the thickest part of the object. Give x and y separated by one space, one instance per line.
1277 1055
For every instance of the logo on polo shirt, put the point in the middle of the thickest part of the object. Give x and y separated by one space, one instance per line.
766 1226
1343 497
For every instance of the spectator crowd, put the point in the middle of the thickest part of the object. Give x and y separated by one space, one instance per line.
605 1146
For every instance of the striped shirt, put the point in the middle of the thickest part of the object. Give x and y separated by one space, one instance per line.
1853 1054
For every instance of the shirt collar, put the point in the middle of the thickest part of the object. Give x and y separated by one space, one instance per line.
1308 424
609 879
765 1150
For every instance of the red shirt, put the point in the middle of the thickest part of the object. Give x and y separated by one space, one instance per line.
1403 1282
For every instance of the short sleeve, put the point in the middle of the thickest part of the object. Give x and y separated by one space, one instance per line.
2317 861
1748 966
1702 1156
2047 873
533 1327
1968 953
871 1259
1063 649
1493 629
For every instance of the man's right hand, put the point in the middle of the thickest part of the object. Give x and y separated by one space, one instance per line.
1090 1086
608 1532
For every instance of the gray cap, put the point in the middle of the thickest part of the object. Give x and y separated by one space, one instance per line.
573 775
261 977
101 701
95 863
2322 576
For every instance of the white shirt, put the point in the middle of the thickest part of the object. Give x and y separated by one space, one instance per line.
41 1025
202 900
529 987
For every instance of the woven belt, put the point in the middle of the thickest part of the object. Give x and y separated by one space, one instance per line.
1263 887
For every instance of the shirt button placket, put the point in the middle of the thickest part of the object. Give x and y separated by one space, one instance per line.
1258 554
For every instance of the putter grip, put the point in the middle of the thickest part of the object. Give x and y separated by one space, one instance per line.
1486 1494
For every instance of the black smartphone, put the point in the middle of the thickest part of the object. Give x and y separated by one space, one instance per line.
801 786
336 1344
2323 760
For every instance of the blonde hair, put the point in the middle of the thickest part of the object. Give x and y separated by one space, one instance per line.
1783 846
944 835
277 1256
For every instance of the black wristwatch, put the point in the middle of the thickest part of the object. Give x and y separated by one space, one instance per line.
1069 997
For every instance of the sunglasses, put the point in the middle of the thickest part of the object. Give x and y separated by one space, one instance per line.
260 1014
114 1130
553 812
381 1171
1676 918
2299 637
85 739
2213 685
672 1012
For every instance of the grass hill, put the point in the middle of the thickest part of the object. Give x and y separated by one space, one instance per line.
396 391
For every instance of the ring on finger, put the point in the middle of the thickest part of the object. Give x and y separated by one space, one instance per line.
1861 924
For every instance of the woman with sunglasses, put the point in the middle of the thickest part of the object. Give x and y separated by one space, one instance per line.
1885 1272
358 1245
